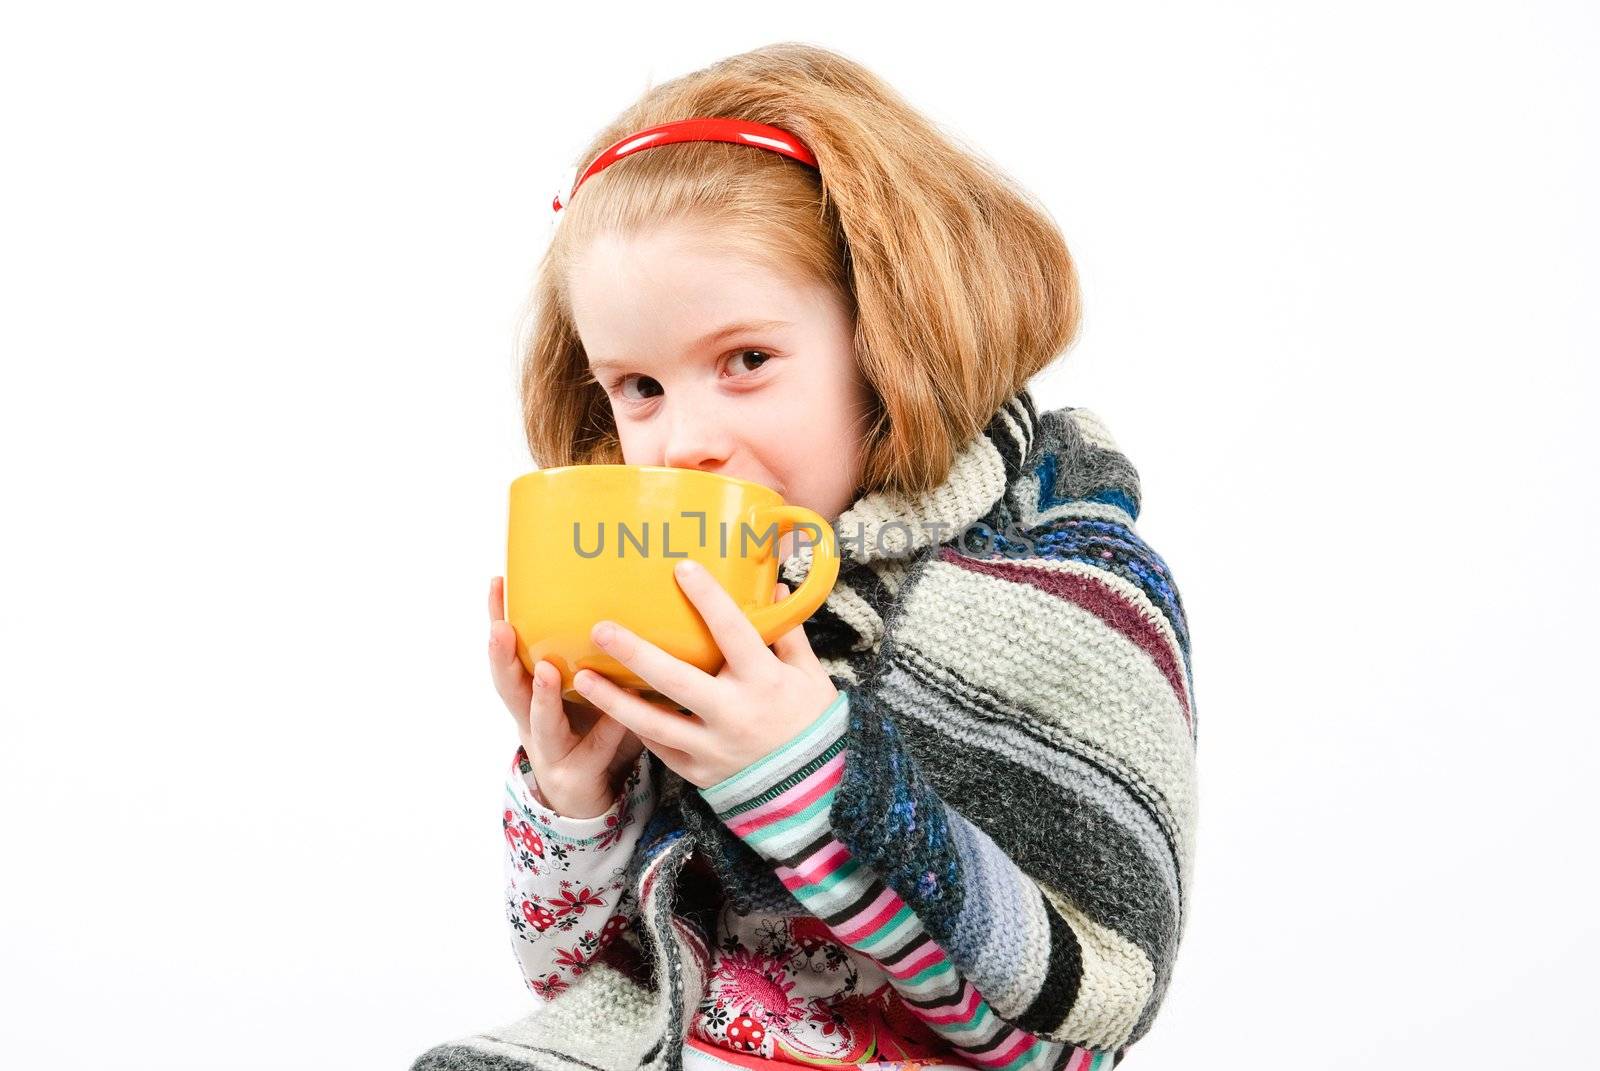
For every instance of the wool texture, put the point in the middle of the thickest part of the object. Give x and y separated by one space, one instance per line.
1000 809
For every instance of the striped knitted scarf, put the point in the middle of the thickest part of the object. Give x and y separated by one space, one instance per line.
1016 797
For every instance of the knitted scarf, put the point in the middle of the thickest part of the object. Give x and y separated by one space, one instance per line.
1019 771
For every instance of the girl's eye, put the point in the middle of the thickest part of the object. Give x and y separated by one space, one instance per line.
646 384
763 354
621 383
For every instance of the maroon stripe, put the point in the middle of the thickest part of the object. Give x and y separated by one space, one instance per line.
1095 596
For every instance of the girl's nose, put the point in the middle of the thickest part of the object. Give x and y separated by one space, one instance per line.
696 442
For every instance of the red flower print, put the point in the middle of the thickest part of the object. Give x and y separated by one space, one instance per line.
572 959
612 834
549 987
575 903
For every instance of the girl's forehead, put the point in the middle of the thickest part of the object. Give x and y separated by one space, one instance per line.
676 258
701 293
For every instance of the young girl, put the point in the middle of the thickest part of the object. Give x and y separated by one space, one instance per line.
949 821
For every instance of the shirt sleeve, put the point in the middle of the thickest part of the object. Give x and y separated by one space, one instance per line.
783 806
564 876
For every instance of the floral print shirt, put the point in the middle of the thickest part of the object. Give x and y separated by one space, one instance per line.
564 876
781 991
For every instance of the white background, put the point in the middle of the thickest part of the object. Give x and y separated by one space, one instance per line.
261 273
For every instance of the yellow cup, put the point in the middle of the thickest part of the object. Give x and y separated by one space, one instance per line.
587 542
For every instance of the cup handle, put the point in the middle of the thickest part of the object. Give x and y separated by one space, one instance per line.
774 620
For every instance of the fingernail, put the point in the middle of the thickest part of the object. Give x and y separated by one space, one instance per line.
583 681
604 633
686 567
538 677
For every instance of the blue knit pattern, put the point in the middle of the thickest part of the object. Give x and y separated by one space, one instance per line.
664 827
1108 545
1115 496
893 821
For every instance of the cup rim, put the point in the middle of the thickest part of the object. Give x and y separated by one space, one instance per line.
678 473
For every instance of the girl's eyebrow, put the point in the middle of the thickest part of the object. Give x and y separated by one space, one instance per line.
737 328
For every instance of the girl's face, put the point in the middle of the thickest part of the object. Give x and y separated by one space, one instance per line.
716 363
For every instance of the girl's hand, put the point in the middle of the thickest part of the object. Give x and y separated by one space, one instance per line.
762 697
580 756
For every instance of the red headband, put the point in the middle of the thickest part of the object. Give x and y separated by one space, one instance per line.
737 131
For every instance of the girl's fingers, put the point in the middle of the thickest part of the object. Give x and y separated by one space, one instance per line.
654 722
679 762
511 680
543 717
497 598
741 645
599 745
793 647
548 729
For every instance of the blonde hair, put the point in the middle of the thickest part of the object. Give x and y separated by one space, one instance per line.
960 284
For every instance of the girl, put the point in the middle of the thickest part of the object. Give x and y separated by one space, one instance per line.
949 821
